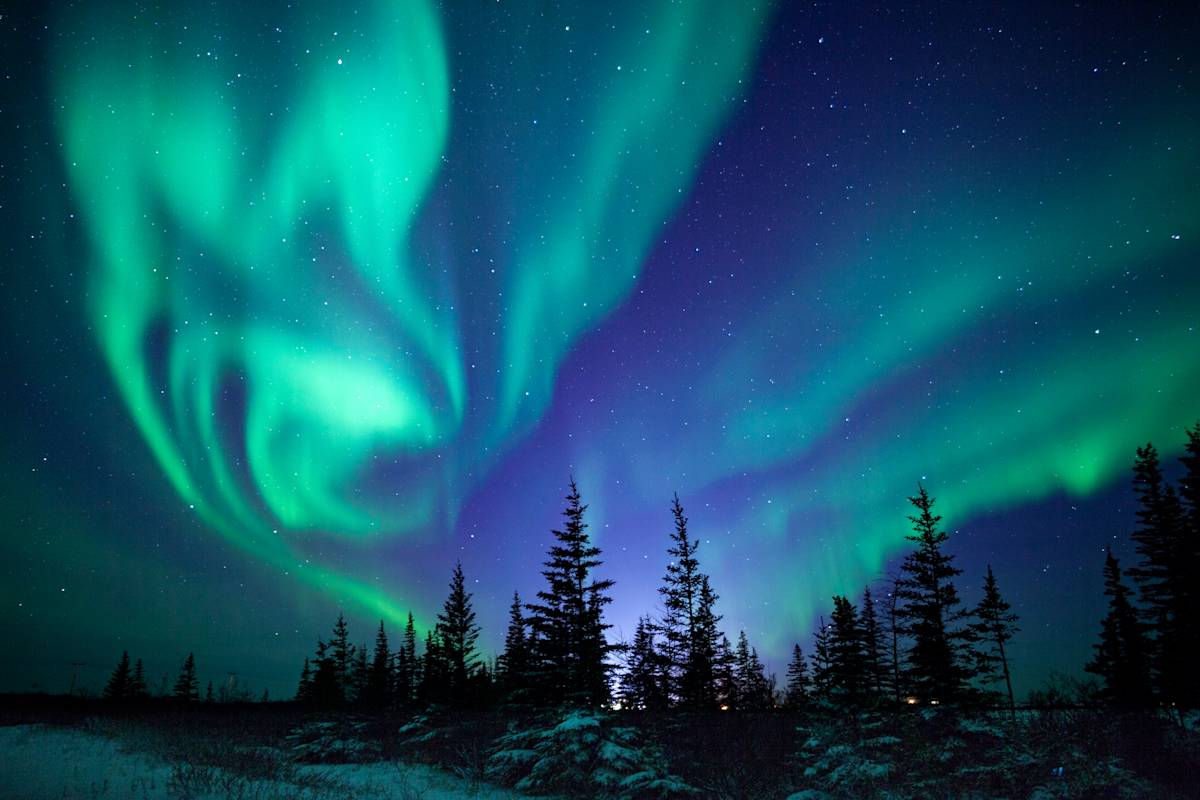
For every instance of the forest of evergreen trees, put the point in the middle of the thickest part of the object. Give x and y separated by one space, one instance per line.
910 641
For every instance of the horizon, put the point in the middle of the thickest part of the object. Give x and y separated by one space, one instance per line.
162 668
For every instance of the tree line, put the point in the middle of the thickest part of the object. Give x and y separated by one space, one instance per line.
556 647
912 641
127 684
1148 637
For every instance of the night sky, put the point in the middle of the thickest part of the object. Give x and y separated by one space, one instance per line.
299 304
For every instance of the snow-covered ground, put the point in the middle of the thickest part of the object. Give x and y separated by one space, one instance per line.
39 762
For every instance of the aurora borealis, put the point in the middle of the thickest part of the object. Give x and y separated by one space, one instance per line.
304 302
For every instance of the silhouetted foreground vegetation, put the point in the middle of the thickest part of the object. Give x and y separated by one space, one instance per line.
285 750
906 693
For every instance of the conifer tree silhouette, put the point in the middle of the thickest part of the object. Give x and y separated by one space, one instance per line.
1120 660
359 675
327 688
821 678
995 625
892 609
1189 482
138 690
379 678
434 668
847 667
724 665
304 691
187 687
117 688
1165 574
408 675
570 651
874 648
753 690
458 636
709 636
798 682
642 685
1189 558
689 672
342 654
930 610
512 667
1152 534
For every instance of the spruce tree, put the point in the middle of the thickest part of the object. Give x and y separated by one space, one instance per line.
892 609
689 671
995 625
187 687
1174 664
1189 554
761 689
407 666
458 636
821 679
359 675
379 677
1189 482
1150 534
117 688
208 693
401 677
931 612
481 686
874 648
799 683
327 689
304 691
708 638
570 651
1120 660
1162 578
642 685
847 667
138 690
753 692
434 682
513 665
725 677
741 672
342 653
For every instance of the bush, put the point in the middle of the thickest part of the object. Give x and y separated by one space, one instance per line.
956 754
332 741
727 755
582 753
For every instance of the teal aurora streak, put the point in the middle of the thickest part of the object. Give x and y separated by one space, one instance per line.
1051 404
255 288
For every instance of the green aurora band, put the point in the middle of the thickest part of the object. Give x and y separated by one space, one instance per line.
251 211
830 438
